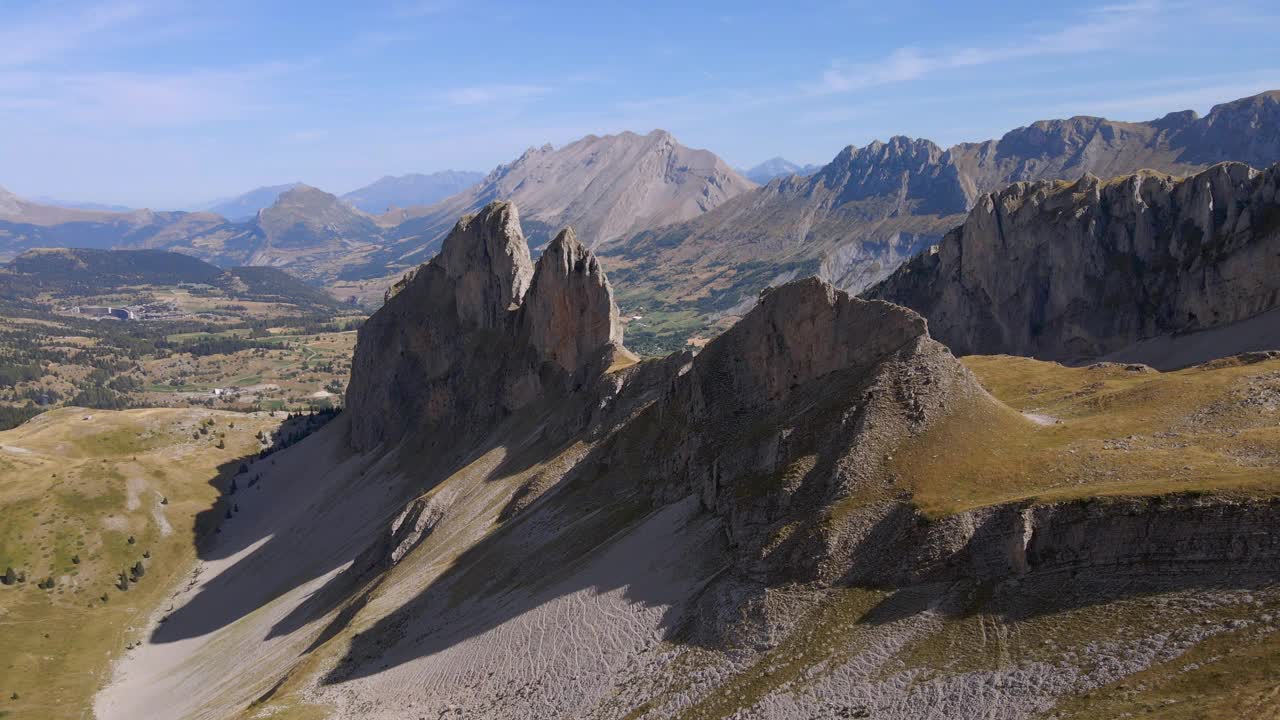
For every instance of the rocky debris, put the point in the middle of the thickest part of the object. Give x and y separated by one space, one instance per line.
1075 271
411 527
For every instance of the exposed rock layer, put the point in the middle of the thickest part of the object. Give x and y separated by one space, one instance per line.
1070 271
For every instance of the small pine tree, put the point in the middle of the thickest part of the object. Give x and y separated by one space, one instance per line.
75 559
131 540
164 501
235 508
138 570
232 490
146 554
228 515
10 577
222 444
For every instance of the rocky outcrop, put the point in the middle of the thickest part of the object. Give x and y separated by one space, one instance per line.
479 332
1072 271
788 412
1169 540
569 313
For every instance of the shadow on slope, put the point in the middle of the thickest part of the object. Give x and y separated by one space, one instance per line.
260 498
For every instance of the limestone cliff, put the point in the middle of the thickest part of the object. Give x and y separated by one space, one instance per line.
479 332
1071 271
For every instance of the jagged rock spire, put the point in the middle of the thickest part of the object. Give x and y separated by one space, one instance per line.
488 259
570 314
478 333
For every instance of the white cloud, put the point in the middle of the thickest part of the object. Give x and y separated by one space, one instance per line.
489 94
117 99
32 40
1101 28
423 8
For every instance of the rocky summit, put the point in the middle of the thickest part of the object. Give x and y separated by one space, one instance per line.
1081 270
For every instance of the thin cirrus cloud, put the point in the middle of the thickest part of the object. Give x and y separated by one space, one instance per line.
1101 28
36 39
145 100
489 94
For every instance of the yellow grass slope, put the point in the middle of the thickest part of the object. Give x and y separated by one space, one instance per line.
84 496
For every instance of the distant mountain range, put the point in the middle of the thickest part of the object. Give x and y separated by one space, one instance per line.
677 227
605 187
79 205
411 190
777 167
244 207
376 198
870 209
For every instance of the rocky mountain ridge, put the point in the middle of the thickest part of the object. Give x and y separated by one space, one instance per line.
1075 271
604 186
873 207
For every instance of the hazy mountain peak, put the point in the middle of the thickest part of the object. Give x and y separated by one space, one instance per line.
10 204
245 206
413 189
605 186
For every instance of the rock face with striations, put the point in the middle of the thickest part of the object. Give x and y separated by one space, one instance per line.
480 332
1071 271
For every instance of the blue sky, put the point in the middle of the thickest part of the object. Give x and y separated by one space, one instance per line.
165 103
